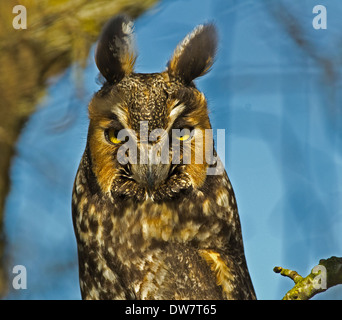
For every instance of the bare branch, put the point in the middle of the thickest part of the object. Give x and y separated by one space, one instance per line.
326 274
288 273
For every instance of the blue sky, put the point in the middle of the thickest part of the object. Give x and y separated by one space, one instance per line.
280 106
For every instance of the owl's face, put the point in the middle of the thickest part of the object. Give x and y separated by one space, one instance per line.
148 134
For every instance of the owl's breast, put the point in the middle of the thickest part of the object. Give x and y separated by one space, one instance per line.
138 246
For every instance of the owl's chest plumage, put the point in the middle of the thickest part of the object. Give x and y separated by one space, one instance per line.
137 249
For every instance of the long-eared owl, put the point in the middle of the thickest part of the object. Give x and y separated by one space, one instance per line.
150 222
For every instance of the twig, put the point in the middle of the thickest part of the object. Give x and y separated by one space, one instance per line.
326 274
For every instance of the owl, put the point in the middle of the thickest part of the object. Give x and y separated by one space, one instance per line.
150 221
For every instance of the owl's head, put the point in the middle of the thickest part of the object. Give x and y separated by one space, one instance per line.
148 133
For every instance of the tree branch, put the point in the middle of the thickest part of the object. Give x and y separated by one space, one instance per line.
326 274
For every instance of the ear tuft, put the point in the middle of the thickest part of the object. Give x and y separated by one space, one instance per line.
115 52
195 55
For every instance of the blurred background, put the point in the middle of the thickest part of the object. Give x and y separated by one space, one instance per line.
275 88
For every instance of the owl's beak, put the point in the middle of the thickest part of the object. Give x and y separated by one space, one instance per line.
150 175
156 174
153 166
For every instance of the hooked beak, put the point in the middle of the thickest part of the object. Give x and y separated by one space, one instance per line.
153 168
150 175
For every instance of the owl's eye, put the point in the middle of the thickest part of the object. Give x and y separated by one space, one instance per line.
111 135
183 135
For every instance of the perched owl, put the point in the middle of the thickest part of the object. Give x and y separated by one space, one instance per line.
149 229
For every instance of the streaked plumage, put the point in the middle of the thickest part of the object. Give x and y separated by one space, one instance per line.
161 231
